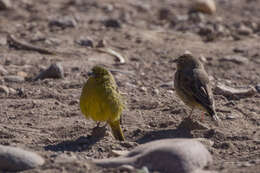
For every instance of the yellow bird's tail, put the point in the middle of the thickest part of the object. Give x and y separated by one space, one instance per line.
116 130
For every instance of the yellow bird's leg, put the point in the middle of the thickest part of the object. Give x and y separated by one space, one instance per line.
98 124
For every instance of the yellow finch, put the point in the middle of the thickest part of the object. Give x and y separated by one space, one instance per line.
192 85
101 101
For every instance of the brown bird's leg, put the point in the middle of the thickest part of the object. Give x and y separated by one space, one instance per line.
202 117
191 113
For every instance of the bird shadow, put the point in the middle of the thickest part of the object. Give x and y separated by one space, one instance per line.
80 144
184 130
164 134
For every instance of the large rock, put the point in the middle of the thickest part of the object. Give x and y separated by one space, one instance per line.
168 156
16 159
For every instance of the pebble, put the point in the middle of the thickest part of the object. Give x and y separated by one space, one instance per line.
257 87
16 159
167 155
127 168
4 89
22 74
13 78
63 22
143 89
54 71
112 23
164 14
3 70
156 91
87 42
204 6
244 30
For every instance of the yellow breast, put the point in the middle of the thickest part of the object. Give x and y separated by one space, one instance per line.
99 102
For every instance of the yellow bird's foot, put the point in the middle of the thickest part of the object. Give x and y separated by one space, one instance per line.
99 132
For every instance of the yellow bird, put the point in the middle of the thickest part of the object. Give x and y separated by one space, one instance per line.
101 101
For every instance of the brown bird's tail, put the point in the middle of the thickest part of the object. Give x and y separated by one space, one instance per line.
116 130
213 114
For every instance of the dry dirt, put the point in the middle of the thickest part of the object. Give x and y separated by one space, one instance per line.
44 116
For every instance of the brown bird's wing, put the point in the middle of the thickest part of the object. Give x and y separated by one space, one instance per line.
202 90
196 84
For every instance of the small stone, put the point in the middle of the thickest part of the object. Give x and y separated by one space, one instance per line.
87 42
3 41
203 59
12 78
4 89
204 6
127 168
164 14
143 89
63 22
5 4
243 30
257 87
144 169
167 84
12 91
119 152
231 117
235 59
170 91
128 144
112 23
2 70
54 71
22 74
156 91
16 159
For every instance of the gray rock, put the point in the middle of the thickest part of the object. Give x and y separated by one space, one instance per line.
234 93
16 159
168 156
4 89
235 59
5 4
85 42
54 71
12 78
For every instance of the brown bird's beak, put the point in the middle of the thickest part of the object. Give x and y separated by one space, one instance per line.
173 60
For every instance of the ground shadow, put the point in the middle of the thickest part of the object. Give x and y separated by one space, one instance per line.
184 130
164 134
80 144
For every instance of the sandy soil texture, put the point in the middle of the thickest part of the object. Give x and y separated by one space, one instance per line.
44 115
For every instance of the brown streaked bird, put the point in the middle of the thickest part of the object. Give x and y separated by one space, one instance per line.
192 85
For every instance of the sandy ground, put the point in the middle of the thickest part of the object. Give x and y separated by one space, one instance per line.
44 116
